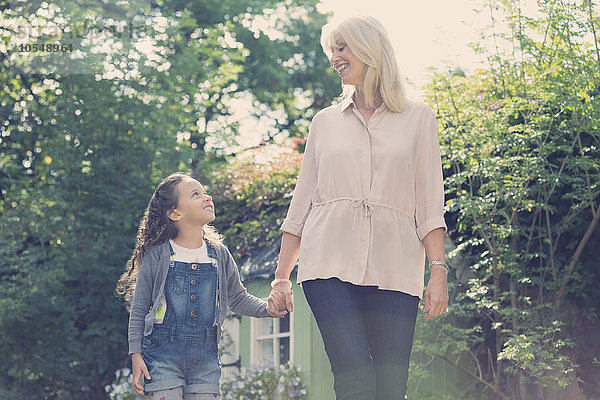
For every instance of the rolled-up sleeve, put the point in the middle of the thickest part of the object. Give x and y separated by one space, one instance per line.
429 183
305 186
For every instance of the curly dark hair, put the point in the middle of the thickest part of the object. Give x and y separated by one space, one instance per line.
155 228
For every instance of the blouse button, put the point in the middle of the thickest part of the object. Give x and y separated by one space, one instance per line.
193 313
194 266
193 297
193 282
148 342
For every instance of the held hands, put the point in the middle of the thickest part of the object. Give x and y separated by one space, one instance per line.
280 300
138 366
436 295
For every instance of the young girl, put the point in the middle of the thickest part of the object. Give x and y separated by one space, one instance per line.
180 280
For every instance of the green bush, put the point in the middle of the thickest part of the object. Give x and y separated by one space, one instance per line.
266 382
121 388
252 195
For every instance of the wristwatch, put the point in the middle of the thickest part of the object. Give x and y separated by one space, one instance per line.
442 263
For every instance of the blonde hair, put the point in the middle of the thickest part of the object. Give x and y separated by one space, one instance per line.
368 40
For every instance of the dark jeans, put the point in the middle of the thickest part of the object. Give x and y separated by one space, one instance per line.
368 336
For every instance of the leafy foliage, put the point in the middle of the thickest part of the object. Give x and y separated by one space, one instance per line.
251 197
521 153
264 382
121 388
80 154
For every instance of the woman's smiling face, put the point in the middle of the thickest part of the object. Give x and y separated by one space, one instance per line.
346 64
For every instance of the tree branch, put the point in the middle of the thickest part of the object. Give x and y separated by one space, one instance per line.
478 379
575 258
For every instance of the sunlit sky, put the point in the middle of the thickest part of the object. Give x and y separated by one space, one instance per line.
424 33
427 33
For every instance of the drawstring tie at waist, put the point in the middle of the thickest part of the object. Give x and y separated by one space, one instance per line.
363 203
357 204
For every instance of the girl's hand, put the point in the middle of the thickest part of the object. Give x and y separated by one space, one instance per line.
138 366
274 311
280 299
436 295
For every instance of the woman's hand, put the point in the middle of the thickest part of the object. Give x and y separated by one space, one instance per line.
436 294
280 299
138 367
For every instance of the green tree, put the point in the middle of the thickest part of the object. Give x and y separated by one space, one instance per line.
78 168
521 153
285 70
84 138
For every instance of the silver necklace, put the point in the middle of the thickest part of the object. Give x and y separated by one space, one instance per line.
365 107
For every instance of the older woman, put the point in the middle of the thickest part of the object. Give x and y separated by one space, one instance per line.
366 211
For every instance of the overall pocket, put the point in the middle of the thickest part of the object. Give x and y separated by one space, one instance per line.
179 284
154 342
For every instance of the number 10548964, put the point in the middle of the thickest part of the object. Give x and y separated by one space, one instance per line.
45 48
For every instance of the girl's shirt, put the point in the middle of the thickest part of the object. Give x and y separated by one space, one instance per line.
183 254
150 287
367 195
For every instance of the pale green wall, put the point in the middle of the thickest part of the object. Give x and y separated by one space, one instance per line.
308 345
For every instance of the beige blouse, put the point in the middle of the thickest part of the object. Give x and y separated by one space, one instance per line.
367 195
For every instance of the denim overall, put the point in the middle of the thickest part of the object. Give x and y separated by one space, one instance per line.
182 351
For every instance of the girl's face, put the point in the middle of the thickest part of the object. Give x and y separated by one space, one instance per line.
194 205
346 64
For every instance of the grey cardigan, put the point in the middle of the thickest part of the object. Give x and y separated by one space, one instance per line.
150 286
